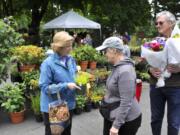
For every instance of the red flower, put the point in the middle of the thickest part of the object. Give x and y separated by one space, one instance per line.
155 46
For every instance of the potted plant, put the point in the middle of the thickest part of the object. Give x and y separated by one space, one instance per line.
82 55
9 37
93 57
14 73
31 79
82 78
35 105
13 100
97 96
80 103
88 104
29 56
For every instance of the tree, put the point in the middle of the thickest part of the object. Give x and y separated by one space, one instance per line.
172 6
121 15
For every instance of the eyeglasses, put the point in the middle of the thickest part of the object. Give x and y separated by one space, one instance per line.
160 23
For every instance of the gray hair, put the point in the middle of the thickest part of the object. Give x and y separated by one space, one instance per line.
169 16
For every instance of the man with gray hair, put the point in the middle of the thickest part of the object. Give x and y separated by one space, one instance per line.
170 93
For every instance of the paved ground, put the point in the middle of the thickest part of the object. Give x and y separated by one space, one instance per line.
84 124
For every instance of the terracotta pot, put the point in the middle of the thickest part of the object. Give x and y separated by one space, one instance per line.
27 68
92 65
17 117
84 65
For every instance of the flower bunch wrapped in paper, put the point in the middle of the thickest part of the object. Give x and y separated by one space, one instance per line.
173 47
159 53
155 55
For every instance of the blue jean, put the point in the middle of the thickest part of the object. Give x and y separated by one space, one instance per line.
158 98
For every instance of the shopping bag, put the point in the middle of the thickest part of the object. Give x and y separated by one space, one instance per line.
58 116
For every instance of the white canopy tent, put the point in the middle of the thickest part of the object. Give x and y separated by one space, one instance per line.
72 20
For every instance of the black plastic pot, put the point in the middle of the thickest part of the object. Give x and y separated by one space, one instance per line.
38 117
88 107
78 111
95 105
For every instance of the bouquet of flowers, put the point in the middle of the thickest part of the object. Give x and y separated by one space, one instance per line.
173 47
159 52
155 55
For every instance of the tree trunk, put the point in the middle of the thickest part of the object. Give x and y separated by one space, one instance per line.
37 15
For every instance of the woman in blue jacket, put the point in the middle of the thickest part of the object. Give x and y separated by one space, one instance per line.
57 75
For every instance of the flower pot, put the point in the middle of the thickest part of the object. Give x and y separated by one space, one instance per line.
84 65
27 68
95 105
16 78
88 107
78 110
92 65
17 117
38 117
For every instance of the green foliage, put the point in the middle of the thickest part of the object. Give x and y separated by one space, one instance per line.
83 53
102 73
172 6
143 75
8 39
12 97
82 78
28 76
23 20
28 54
35 103
31 79
97 94
80 101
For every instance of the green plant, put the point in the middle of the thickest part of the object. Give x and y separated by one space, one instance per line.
96 97
82 78
82 53
12 97
35 103
14 69
28 54
80 101
31 79
102 73
8 38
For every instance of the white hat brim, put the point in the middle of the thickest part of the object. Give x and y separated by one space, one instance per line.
102 47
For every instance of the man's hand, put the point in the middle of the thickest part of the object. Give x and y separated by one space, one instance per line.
113 131
173 68
156 72
73 86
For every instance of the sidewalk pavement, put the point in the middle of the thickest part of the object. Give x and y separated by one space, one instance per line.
85 124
